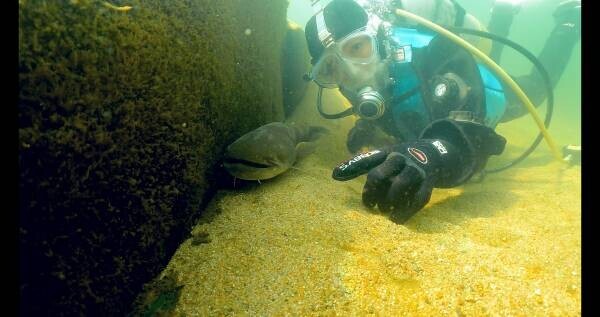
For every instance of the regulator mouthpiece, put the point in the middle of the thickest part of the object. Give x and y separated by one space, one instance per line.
370 104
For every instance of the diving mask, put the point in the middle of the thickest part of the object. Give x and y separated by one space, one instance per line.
352 58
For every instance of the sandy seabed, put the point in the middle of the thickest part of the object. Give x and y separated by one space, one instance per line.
303 244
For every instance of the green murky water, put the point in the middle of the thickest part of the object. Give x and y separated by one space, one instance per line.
303 244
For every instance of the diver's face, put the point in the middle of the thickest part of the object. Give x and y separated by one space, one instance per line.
352 61
360 47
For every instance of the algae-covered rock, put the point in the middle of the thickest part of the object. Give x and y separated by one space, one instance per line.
295 63
123 115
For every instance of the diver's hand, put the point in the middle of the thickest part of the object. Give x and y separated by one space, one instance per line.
506 7
568 12
365 134
360 135
401 177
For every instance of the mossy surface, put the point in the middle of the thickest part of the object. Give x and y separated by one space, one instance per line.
295 63
160 296
122 118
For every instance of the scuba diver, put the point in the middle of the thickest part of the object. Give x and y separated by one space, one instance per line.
435 104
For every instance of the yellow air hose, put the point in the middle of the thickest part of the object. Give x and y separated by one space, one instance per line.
499 71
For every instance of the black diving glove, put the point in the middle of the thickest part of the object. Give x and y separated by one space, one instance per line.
568 12
401 177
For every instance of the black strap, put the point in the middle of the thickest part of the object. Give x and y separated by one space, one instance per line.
436 12
459 20
406 95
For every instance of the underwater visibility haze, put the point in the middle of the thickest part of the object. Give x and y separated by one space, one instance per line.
173 161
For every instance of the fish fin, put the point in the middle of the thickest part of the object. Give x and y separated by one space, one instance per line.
306 133
304 149
315 132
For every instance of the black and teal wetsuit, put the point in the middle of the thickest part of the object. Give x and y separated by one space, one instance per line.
413 113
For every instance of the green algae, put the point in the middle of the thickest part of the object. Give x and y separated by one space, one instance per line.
122 118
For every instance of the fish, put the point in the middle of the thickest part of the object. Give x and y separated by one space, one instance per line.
270 150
